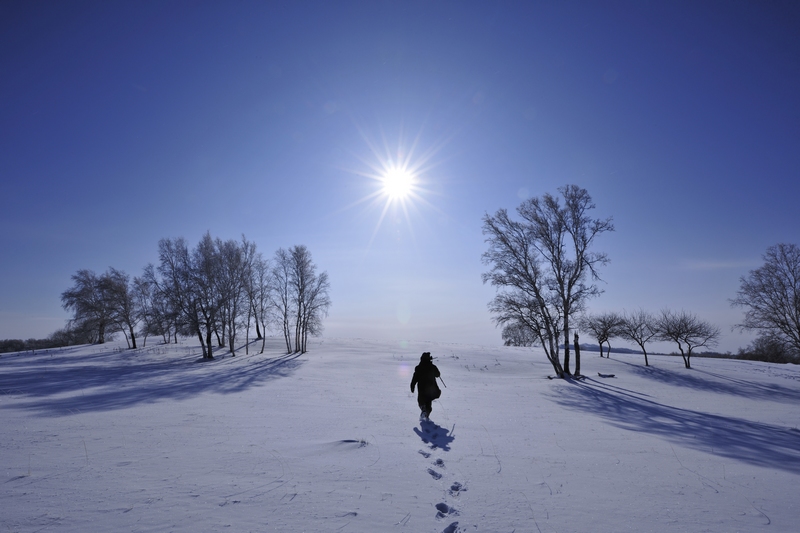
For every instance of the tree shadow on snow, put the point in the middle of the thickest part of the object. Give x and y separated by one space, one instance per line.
750 442
712 382
434 435
108 381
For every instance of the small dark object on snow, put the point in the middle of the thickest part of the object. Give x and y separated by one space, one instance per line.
606 375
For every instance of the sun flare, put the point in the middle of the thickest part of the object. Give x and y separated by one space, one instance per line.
398 183
400 187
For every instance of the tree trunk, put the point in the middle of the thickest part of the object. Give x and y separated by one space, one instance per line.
264 340
553 357
247 335
287 335
220 340
133 338
566 347
202 343
577 355
685 360
258 330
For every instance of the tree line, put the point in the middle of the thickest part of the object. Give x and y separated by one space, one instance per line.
545 270
683 328
215 291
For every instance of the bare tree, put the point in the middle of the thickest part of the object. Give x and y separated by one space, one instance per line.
158 315
301 277
125 312
259 289
310 296
204 269
103 304
688 331
315 307
639 327
91 305
524 302
282 300
233 265
771 296
144 294
299 297
179 281
543 266
604 327
516 335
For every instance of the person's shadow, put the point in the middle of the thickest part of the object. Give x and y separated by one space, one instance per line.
434 435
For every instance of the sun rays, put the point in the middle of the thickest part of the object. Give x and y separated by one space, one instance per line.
400 181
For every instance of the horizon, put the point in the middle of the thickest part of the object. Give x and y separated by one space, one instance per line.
127 123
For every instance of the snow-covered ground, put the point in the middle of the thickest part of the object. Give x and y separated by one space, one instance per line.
98 438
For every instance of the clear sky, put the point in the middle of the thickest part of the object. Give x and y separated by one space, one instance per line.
122 123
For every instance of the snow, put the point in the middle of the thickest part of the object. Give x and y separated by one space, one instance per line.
99 438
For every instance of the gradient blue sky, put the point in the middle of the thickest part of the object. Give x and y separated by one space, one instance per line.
126 122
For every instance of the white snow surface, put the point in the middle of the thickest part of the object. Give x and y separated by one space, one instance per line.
100 438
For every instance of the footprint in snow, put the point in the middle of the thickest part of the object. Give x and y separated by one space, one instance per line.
457 488
434 474
424 454
443 510
439 463
452 528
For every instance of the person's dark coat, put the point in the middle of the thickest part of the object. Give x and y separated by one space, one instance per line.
424 379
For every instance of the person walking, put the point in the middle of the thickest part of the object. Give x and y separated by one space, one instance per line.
425 375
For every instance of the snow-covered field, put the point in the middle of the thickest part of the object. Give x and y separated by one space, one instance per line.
97 438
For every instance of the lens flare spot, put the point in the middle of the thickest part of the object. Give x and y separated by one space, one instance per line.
403 370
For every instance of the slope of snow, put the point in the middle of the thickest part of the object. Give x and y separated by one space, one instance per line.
97 438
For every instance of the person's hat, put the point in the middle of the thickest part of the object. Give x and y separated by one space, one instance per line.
426 357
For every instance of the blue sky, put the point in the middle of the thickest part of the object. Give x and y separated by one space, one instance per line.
123 123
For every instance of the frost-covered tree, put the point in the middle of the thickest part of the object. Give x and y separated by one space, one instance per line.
516 335
233 263
91 304
300 296
125 312
282 301
259 289
177 280
770 296
155 312
102 304
543 266
315 307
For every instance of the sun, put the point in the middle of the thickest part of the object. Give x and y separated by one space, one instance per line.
398 183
